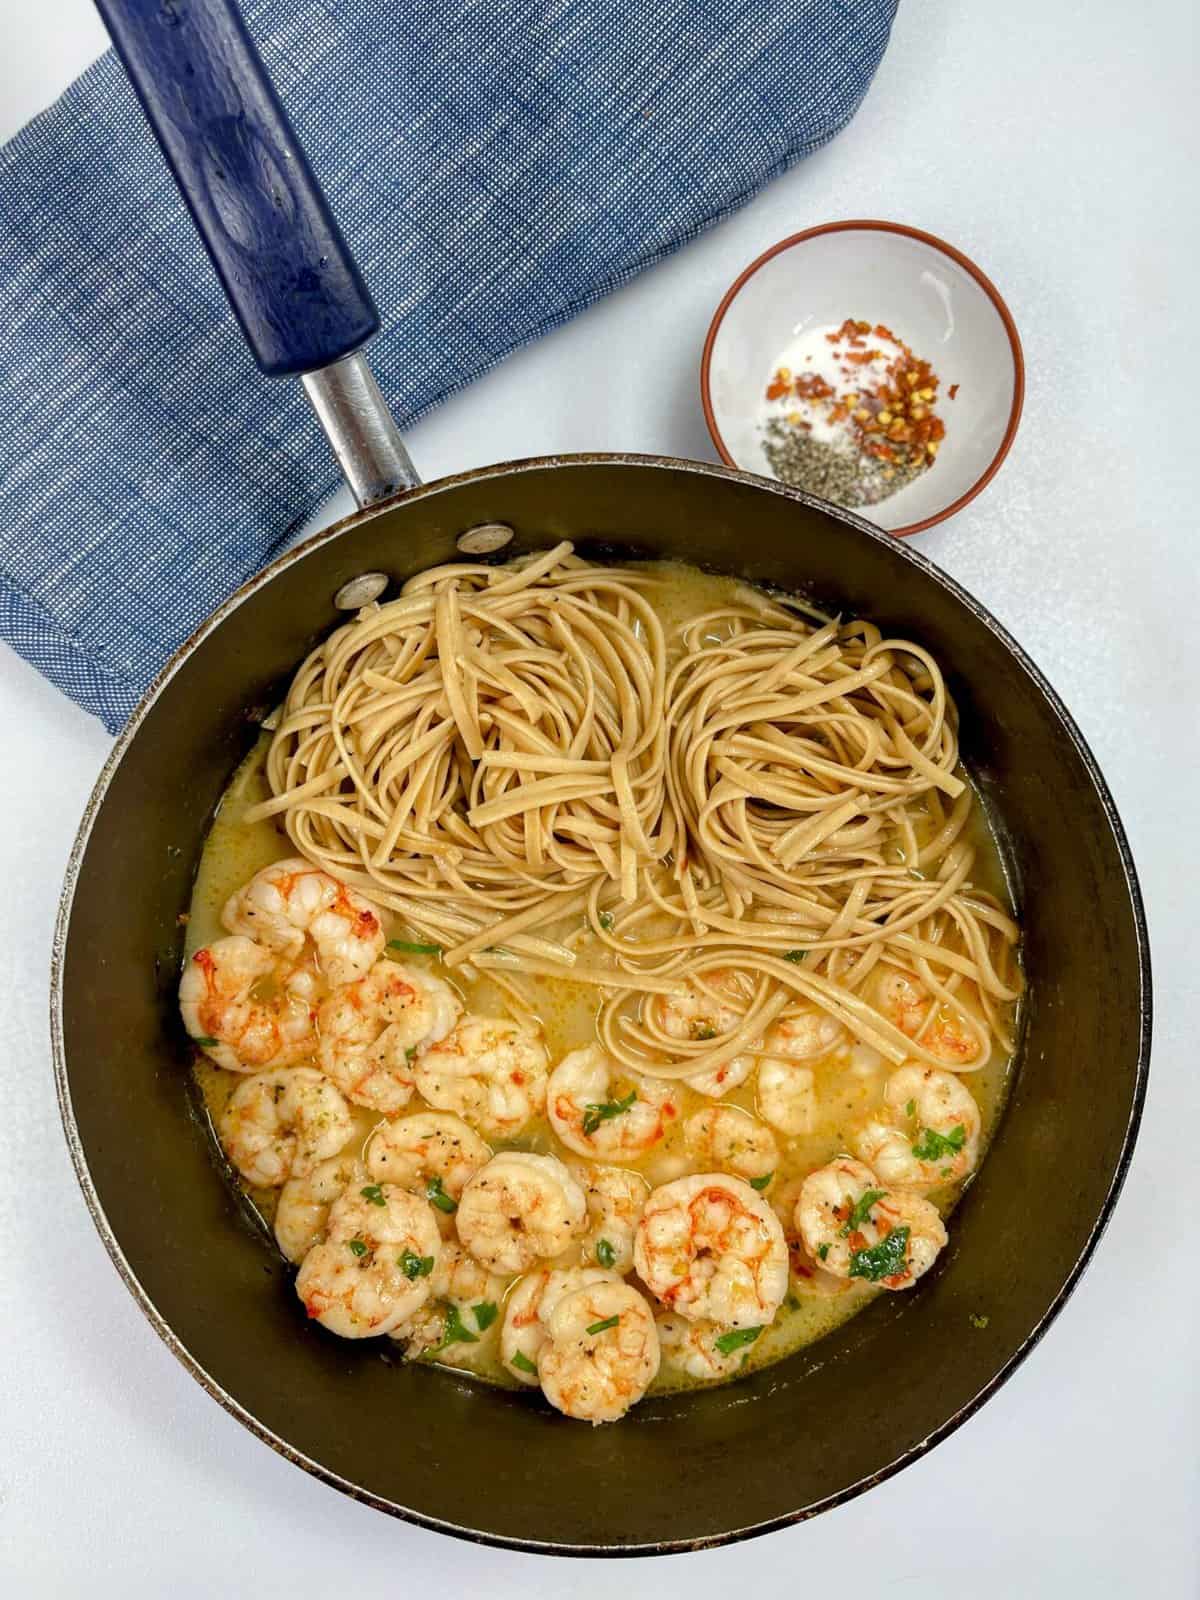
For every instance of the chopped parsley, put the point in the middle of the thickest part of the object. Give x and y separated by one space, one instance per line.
823 1252
795 956
932 1146
410 1052
522 1363
978 1321
735 1339
204 1041
605 919
603 1327
861 1212
486 1313
706 1032
456 1330
374 1194
882 1260
761 1183
408 948
438 1197
414 1266
358 1247
910 1109
605 1254
594 1115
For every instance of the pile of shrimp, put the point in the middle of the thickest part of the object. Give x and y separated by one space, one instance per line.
390 1121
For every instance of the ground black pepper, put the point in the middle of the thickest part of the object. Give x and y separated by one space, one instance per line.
841 474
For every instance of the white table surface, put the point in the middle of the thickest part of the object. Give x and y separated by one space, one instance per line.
1050 140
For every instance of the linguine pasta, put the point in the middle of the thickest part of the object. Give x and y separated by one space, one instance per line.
767 806
477 753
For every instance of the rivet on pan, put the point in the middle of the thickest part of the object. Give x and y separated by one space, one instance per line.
488 536
360 591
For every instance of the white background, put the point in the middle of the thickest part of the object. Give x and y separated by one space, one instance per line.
1050 140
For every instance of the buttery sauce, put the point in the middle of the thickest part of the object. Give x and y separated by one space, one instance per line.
846 1086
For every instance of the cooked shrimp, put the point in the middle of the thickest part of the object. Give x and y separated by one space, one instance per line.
925 1134
804 1037
726 1139
697 1014
716 1081
605 1114
693 1348
808 1275
303 1207
279 1125
528 1310
952 1034
243 1031
615 1198
292 899
601 1352
825 1205
375 1265
489 1071
371 1030
463 1305
518 1209
430 1153
857 1229
787 1095
459 1277
712 1249
665 1165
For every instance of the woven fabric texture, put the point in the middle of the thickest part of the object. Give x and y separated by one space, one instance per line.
496 166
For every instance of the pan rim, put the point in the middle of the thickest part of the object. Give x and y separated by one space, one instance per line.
174 1342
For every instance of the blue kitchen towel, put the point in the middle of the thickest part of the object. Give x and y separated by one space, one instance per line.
496 165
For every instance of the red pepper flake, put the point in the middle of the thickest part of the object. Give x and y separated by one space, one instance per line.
812 386
900 408
952 391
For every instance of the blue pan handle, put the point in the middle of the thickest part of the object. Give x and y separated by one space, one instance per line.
278 252
292 283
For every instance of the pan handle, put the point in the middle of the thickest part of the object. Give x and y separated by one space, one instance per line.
282 261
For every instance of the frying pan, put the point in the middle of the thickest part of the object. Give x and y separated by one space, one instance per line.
686 1470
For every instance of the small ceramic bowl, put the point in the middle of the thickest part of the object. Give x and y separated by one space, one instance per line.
933 298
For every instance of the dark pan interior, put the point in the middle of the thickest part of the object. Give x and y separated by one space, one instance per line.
683 1470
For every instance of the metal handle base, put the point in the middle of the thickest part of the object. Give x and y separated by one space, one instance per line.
361 429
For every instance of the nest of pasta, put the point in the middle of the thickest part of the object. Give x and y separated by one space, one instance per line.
767 807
